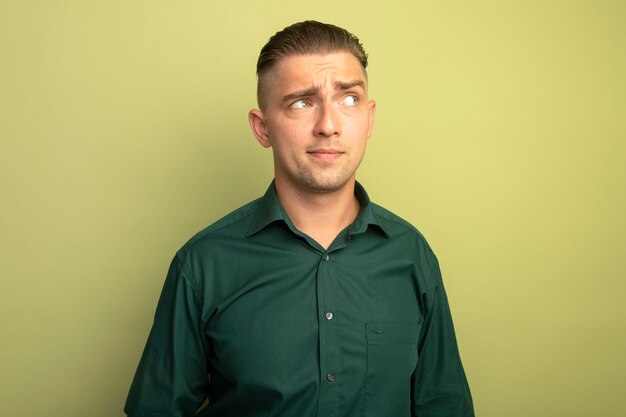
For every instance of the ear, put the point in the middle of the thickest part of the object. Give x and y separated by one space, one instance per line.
372 109
256 118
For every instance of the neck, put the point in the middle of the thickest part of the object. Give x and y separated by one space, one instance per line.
322 216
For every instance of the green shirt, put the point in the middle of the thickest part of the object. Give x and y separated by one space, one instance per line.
263 321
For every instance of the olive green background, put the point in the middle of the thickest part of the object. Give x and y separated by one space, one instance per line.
501 134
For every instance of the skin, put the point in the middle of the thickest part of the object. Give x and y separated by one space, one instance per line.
317 120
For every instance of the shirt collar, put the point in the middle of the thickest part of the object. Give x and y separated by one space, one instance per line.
270 211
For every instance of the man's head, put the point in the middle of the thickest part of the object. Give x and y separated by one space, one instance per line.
304 38
314 112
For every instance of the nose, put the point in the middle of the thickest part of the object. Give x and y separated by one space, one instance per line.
327 123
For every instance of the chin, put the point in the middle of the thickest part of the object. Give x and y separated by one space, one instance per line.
327 185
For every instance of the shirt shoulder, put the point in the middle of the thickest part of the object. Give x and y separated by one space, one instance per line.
413 244
397 226
410 238
234 225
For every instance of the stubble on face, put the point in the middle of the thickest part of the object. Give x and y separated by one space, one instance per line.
323 182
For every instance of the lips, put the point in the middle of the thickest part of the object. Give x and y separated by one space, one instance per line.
325 154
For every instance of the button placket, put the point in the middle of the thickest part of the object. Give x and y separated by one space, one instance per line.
329 348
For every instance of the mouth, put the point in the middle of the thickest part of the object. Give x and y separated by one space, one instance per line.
325 154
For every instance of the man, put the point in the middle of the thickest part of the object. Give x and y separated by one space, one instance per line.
310 301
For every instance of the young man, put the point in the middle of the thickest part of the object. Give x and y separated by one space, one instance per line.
310 301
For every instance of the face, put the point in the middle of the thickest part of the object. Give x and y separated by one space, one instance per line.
317 120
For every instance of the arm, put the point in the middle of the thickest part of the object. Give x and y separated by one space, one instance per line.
439 386
172 377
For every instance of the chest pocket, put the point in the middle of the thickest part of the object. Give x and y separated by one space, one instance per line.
391 359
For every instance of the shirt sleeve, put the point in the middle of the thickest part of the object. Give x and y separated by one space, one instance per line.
439 385
172 376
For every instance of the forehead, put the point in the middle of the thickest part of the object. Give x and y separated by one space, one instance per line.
298 71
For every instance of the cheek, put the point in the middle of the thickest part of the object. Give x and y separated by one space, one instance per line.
286 129
357 125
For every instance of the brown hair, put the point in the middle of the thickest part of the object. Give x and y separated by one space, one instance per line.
303 38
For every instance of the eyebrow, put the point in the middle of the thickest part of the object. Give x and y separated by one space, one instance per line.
311 91
307 92
346 85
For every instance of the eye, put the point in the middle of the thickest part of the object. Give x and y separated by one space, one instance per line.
300 104
350 100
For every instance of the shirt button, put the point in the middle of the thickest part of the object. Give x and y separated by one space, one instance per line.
325 258
329 316
330 377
